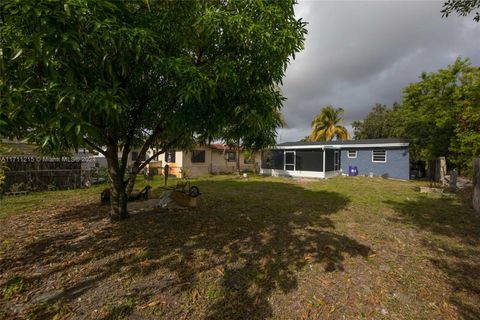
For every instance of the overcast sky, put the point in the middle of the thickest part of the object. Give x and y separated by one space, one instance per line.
358 53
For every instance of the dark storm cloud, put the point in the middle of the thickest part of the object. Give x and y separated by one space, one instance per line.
359 53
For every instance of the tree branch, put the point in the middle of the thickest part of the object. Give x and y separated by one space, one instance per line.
164 149
149 141
128 142
94 147
146 146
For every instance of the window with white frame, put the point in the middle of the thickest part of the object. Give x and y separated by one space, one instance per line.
379 156
170 156
352 154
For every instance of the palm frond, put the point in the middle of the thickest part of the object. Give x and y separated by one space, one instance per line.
328 124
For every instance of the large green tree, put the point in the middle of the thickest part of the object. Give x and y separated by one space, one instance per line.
329 124
440 114
117 74
377 124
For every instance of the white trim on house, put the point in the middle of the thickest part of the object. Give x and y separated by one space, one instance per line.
352 157
376 161
323 163
289 164
330 174
336 160
345 146
298 173
290 173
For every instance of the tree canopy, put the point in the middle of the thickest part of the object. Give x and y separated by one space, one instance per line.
377 124
113 75
329 124
462 7
440 114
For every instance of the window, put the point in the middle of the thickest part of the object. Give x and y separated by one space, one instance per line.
134 155
198 156
154 152
231 156
170 156
379 156
352 154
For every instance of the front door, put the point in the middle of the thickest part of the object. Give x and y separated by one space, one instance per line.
336 160
289 160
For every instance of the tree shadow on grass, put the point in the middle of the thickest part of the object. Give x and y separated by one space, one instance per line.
246 241
442 216
456 238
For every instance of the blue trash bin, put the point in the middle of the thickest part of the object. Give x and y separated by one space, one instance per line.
352 171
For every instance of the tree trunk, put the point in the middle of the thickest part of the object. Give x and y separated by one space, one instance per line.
238 157
118 201
131 180
118 191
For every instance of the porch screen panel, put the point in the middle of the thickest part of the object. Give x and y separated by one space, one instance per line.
289 157
272 159
309 160
329 159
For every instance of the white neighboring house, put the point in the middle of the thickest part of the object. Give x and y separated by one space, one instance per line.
202 160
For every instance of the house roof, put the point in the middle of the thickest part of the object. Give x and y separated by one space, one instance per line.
218 146
222 147
388 142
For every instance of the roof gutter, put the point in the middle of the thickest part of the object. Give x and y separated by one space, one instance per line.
345 146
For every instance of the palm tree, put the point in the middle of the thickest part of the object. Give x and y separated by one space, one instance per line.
328 124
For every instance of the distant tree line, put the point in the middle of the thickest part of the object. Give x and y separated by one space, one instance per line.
440 115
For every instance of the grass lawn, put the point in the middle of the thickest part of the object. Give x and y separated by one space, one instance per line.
262 248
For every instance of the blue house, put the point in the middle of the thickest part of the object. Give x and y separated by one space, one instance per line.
388 158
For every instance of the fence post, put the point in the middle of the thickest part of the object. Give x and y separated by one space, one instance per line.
437 169
441 170
476 185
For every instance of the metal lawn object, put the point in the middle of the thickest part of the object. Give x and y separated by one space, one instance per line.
185 194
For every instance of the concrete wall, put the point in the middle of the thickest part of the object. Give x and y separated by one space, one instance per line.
221 165
196 169
295 173
397 165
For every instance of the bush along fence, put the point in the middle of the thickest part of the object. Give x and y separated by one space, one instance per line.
25 173
476 184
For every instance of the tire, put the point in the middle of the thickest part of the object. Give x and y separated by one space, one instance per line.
193 191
